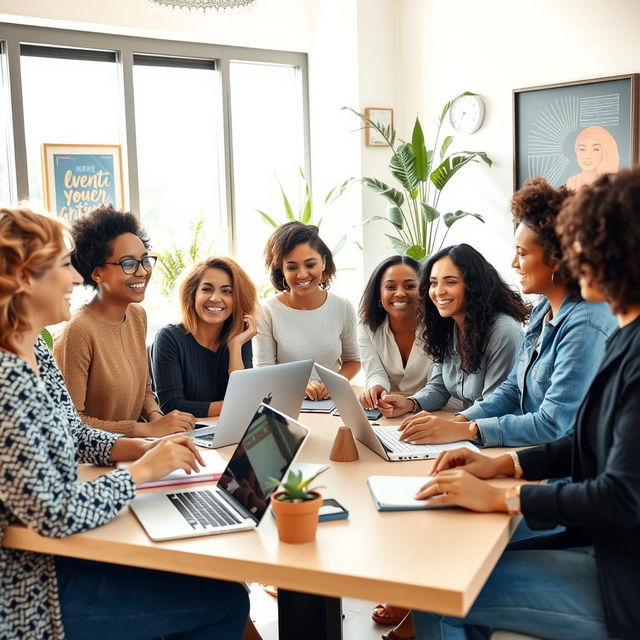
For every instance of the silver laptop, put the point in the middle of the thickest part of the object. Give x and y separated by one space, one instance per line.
384 441
281 386
242 495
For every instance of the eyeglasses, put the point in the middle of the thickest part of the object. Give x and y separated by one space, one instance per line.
130 265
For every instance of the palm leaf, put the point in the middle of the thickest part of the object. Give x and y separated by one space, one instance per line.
453 163
403 168
451 218
420 152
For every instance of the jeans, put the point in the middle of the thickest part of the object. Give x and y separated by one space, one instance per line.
107 601
550 593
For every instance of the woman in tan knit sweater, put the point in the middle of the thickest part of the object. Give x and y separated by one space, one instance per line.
101 351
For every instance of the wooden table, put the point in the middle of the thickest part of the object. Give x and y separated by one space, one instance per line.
430 560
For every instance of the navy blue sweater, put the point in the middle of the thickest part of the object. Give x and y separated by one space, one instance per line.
188 376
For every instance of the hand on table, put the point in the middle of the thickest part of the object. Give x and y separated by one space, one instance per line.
371 397
174 422
456 487
425 428
392 405
165 456
316 391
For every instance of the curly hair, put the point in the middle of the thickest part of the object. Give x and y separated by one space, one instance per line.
485 296
93 235
245 298
284 240
371 312
537 205
599 227
30 243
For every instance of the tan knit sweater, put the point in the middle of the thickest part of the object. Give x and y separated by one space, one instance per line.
105 369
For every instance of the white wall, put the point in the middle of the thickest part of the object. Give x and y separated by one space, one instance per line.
491 48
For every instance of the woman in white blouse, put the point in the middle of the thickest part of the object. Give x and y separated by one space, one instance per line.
304 320
392 357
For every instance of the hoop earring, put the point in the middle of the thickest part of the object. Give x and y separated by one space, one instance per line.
284 284
553 277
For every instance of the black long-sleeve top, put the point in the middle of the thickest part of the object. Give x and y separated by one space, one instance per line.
188 376
601 506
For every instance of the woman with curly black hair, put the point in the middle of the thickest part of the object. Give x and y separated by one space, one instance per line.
102 351
472 329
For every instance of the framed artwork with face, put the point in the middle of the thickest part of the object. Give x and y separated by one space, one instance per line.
573 132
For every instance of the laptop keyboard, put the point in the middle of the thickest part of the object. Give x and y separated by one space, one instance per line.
202 508
205 437
391 439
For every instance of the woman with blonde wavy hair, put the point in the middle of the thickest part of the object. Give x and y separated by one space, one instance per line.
43 439
191 361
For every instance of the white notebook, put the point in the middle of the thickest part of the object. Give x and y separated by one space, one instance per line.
395 493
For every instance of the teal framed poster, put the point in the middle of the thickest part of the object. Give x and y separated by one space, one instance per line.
80 177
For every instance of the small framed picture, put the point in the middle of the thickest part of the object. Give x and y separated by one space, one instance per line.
80 177
381 116
571 133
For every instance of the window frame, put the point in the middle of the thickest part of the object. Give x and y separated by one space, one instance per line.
125 48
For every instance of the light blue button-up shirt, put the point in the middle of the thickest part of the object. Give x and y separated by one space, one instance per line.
539 400
449 381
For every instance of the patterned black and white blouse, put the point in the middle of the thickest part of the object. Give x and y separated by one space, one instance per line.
41 441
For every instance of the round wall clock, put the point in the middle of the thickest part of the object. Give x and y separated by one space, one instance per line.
467 113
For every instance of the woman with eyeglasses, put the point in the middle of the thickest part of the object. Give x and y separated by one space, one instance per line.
102 350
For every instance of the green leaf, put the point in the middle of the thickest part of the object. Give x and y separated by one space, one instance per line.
374 219
305 217
420 152
453 163
398 245
47 337
394 215
452 218
339 245
403 168
417 252
387 132
445 145
429 214
267 218
358 244
392 195
287 206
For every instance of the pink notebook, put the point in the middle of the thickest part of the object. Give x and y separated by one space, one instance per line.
212 471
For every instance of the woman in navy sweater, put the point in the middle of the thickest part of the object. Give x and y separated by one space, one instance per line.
191 361
582 583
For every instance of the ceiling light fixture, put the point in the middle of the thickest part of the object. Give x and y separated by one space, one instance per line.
203 4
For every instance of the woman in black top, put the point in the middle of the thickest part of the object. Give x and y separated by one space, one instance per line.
584 582
191 361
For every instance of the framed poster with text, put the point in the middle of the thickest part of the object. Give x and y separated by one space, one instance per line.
80 177
573 132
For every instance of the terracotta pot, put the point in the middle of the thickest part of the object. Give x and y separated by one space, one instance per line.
297 521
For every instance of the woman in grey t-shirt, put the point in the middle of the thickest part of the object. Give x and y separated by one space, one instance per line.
472 329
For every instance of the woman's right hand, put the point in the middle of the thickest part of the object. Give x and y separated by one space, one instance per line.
392 405
173 422
475 463
166 456
316 391
371 397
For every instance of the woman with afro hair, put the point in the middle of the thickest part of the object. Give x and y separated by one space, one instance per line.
102 350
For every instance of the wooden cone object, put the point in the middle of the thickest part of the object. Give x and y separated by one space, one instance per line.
344 446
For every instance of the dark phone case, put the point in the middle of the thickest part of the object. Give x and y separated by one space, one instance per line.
342 515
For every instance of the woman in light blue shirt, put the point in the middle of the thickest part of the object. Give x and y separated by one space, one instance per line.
562 348
472 329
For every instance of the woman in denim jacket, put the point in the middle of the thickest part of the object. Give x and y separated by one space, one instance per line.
562 348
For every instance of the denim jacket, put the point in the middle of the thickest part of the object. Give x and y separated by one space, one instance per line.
539 400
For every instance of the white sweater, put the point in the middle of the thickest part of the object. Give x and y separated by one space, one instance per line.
326 334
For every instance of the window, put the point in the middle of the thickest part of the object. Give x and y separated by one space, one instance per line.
5 122
268 146
68 96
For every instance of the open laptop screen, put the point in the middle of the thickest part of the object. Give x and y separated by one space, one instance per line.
266 450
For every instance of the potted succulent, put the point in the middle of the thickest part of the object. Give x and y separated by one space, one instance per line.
296 507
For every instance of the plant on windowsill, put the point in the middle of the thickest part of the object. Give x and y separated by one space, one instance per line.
296 507
422 174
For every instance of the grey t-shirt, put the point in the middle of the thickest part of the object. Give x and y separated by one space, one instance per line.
449 381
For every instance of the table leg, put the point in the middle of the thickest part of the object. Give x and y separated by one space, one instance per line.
302 615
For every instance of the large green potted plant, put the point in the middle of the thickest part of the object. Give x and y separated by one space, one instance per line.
296 507
422 174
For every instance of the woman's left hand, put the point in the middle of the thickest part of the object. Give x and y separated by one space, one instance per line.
250 330
455 487
425 428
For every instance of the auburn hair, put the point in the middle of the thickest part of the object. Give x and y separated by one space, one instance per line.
245 298
30 244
